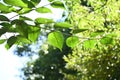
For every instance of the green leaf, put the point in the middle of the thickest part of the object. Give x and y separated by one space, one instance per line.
89 44
43 10
106 40
19 3
30 4
4 8
56 39
79 30
34 34
35 2
2 31
3 18
2 41
62 25
43 20
21 26
25 18
11 41
22 39
72 41
58 4
24 10
6 27
99 32
50 0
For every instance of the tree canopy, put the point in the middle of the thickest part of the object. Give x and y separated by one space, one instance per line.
85 44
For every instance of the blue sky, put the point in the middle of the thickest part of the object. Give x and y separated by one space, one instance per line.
9 64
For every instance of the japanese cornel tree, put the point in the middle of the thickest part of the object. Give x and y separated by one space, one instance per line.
83 47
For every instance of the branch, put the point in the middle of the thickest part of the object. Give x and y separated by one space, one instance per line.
35 8
91 38
14 16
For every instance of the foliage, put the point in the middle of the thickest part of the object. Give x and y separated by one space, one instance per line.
56 39
95 64
96 56
93 36
49 65
23 31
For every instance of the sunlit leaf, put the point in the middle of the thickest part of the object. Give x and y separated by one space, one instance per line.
89 44
24 10
10 42
22 39
43 20
43 10
62 25
2 41
72 41
56 39
4 8
3 18
16 3
34 34
58 4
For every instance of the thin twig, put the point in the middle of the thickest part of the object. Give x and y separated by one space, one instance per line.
14 16
35 8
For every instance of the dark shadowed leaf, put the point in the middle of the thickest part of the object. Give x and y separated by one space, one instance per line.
3 30
56 39
79 30
30 4
11 41
43 20
21 26
6 27
25 18
72 41
3 18
62 25
35 2
43 10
